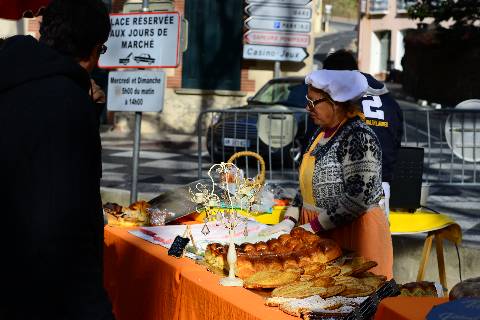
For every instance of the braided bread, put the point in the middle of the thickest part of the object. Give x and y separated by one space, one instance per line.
295 250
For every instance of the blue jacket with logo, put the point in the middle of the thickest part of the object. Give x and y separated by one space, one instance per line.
384 116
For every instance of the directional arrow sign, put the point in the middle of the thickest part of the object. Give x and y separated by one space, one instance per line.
259 52
259 23
284 2
266 10
277 38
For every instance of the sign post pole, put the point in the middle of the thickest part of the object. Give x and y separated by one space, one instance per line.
140 40
276 70
136 141
136 156
136 91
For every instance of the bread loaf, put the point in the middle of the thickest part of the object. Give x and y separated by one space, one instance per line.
297 249
133 215
419 289
467 288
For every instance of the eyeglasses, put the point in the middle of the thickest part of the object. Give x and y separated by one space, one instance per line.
312 103
102 49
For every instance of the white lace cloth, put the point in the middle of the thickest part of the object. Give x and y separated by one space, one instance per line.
164 235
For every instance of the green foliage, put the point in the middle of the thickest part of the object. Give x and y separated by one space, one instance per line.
344 8
464 13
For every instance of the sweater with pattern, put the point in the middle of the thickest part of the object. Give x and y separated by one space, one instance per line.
347 178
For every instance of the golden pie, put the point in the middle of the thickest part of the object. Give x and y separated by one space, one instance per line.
374 281
330 272
314 268
360 290
270 279
323 281
363 267
333 291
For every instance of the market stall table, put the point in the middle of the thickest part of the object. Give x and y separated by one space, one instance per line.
407 308
143 282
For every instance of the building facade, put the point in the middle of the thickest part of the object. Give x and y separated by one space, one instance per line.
212 73
382 27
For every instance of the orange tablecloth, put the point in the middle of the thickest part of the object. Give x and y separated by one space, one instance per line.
406 308
145 283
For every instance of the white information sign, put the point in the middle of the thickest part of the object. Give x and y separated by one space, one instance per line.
276 11
273 38
259 52
260 23
143 40
136 91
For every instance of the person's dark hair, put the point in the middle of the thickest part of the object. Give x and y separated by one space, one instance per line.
75 27
340 60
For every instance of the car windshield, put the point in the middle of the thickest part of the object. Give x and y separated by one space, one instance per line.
289 93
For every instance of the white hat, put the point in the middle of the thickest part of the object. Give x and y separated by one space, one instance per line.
341 85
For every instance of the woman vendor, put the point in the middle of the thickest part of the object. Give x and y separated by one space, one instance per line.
340 175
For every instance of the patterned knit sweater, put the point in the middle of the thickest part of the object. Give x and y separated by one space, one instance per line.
347 179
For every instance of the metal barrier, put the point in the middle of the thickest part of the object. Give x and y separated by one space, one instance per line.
277 134
450 137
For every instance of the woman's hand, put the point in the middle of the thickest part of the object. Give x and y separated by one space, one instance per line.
97 93
284 226
307 227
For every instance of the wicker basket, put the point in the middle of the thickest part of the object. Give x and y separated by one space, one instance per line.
260 178
277 213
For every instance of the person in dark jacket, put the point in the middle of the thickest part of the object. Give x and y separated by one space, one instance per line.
382 113
50 168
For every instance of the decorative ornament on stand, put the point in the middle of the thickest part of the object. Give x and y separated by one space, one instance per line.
229 193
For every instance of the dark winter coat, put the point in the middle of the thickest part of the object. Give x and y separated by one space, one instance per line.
384 116
50 167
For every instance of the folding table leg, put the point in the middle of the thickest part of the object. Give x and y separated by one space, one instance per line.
441 262
425 255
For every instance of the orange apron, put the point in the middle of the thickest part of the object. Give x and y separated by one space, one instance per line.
368 235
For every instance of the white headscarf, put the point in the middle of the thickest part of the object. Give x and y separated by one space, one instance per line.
341 85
